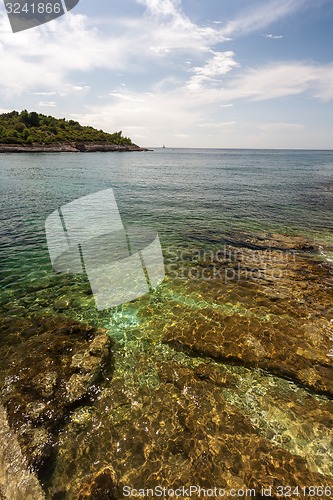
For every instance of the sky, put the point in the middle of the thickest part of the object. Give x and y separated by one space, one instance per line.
184 73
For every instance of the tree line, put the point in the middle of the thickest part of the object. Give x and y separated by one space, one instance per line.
35 128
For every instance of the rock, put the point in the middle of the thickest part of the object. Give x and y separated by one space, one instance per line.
277 323
100 486
61 304
182 433
45 383
41 446
68 148
206 415
82 417
48 366
87 365
17 481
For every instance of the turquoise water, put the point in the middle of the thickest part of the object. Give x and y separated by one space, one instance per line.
196 200
176 191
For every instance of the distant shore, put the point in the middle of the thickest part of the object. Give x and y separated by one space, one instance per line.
68 148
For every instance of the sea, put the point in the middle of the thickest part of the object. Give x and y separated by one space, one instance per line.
194 199
178 192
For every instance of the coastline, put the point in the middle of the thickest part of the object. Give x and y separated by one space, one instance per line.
69 148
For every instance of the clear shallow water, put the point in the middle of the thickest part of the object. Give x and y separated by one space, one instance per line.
194 199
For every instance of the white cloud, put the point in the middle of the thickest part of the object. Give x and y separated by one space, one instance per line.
274 37
218 125
262 16
160 8
47 104
44 93
324 82
149 118
280 80
178 111
48 55
271 127
220 64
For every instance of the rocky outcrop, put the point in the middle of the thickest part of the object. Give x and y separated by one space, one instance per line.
16 480
68 148
272 310
100 148
49 367
183 432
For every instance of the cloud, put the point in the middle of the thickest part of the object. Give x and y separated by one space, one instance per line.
262 16
49 58
279 80
272 81
47 104
280 126
45 93
46 56
166 115
168 28
274 37
220 64
49 55
165 8
218 125
182 109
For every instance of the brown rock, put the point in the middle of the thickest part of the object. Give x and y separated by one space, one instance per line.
48 366
100 486
276 317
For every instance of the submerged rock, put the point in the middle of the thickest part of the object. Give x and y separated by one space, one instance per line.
182 433
17 482
61 304
203 414
48 367
272 310
100 486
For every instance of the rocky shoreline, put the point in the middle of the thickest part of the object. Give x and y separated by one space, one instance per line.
69 148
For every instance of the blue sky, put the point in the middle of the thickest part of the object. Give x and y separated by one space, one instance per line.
184 73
